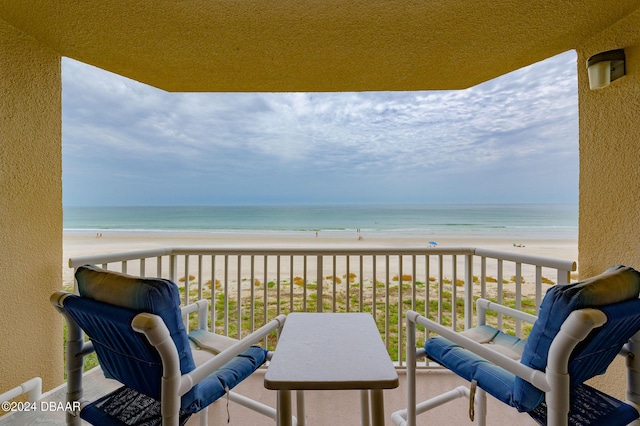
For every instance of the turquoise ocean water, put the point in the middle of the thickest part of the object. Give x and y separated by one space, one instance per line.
547 221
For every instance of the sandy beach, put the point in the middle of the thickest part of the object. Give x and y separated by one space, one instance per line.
84 243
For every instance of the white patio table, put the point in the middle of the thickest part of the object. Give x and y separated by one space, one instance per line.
330 351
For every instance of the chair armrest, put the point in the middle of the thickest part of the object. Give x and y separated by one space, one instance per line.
575 329
202 307
535 377
195 306
200 373
483 305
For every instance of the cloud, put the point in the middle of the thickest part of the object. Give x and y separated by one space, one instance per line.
127 143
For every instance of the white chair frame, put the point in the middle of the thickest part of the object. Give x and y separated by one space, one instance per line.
554 381
174 383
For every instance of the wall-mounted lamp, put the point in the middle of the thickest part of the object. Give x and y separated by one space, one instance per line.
605 67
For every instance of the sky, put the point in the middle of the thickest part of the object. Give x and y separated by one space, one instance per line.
513 139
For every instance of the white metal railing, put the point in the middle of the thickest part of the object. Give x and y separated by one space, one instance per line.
250 286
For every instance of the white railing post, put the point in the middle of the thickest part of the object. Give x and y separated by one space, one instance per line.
468 291
304 283
187 272
226 296
414 295
519 297
143 267
454 292
400 313
278 268
538 287
348 281
386 304
564 277
239 298
159 266
374 280
440 288
173 268
320 281
361 283
200 282
500 278
213 293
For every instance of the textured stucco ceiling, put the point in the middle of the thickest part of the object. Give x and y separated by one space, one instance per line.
312 45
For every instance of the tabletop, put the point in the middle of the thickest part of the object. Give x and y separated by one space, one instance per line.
330 351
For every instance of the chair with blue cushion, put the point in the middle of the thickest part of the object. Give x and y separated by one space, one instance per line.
135 326
580 329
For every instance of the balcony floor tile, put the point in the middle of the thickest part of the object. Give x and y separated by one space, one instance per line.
330 408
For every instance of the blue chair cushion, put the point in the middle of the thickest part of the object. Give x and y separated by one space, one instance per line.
615 292
122 297
226 378
593 355
110 302
154 295
122 353
493 379
126 406
498 341
617 284
589 359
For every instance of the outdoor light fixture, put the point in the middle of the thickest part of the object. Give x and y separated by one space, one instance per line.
605 67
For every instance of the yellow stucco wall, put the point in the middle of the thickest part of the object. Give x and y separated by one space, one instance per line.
30 210
609 223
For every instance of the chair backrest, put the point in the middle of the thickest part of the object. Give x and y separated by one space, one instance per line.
615 292
107 304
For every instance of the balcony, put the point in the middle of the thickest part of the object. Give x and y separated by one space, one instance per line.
247 287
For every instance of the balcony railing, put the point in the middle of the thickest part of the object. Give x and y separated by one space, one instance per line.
247 287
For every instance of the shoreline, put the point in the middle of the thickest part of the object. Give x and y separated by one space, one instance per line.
89 242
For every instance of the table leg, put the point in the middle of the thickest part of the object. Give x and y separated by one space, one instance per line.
284 408
377 407
300 410
364 407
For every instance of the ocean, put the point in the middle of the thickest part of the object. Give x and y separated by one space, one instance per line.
540 221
